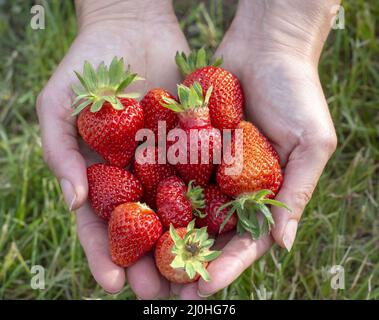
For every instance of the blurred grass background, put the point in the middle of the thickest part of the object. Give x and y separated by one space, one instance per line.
339 227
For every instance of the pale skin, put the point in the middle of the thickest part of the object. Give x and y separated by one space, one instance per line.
274 50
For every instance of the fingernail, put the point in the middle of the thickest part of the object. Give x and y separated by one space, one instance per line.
290 234
68 193
112 293
203 295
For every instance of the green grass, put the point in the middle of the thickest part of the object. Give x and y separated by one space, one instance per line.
340 225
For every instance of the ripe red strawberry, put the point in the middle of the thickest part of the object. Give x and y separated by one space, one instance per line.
182 254
193 115
154 112
133 230
150 174
214 217
259 162
109 186
258 180
227 101
176 203
108 118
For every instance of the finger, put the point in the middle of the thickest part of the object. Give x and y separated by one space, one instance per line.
190 292
145 280
282 153
93 236
236 256
60 147
223 239
303 169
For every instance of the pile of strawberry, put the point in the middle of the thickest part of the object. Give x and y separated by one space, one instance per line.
172 208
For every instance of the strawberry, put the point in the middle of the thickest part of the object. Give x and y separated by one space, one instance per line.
182 255
108 118
194 120
257 182
133 230
176 203
227 101
214 218
154 112
109 186
259 162
150 174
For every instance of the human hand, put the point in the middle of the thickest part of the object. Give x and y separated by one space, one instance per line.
147 36
274 51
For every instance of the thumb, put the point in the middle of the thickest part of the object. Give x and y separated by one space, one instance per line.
60 147
303 170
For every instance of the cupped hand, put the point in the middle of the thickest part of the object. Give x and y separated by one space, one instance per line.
285 100
148 44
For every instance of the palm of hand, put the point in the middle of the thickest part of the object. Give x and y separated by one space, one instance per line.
285 100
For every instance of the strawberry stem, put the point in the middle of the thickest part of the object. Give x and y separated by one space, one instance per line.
190 98
193 251
195 60
103 85
196 196
192 107
247 208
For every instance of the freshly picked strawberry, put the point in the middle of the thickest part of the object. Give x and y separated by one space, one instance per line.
255 185
213 217
176 203
133 230
193 114
109 186
150 174
154 112
227 101
108 118
259 162
182 255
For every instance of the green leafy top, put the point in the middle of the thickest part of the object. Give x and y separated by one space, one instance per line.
192 251
195 60
195 195
247 206
191 99
103 84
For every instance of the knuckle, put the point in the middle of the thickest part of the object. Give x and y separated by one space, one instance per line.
328 141
47 98
303 196
48 156
40 101
86 231
333 142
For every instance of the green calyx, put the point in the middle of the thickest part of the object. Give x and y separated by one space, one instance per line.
190 98
106 84
196 196
247 208
192 251
195 60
